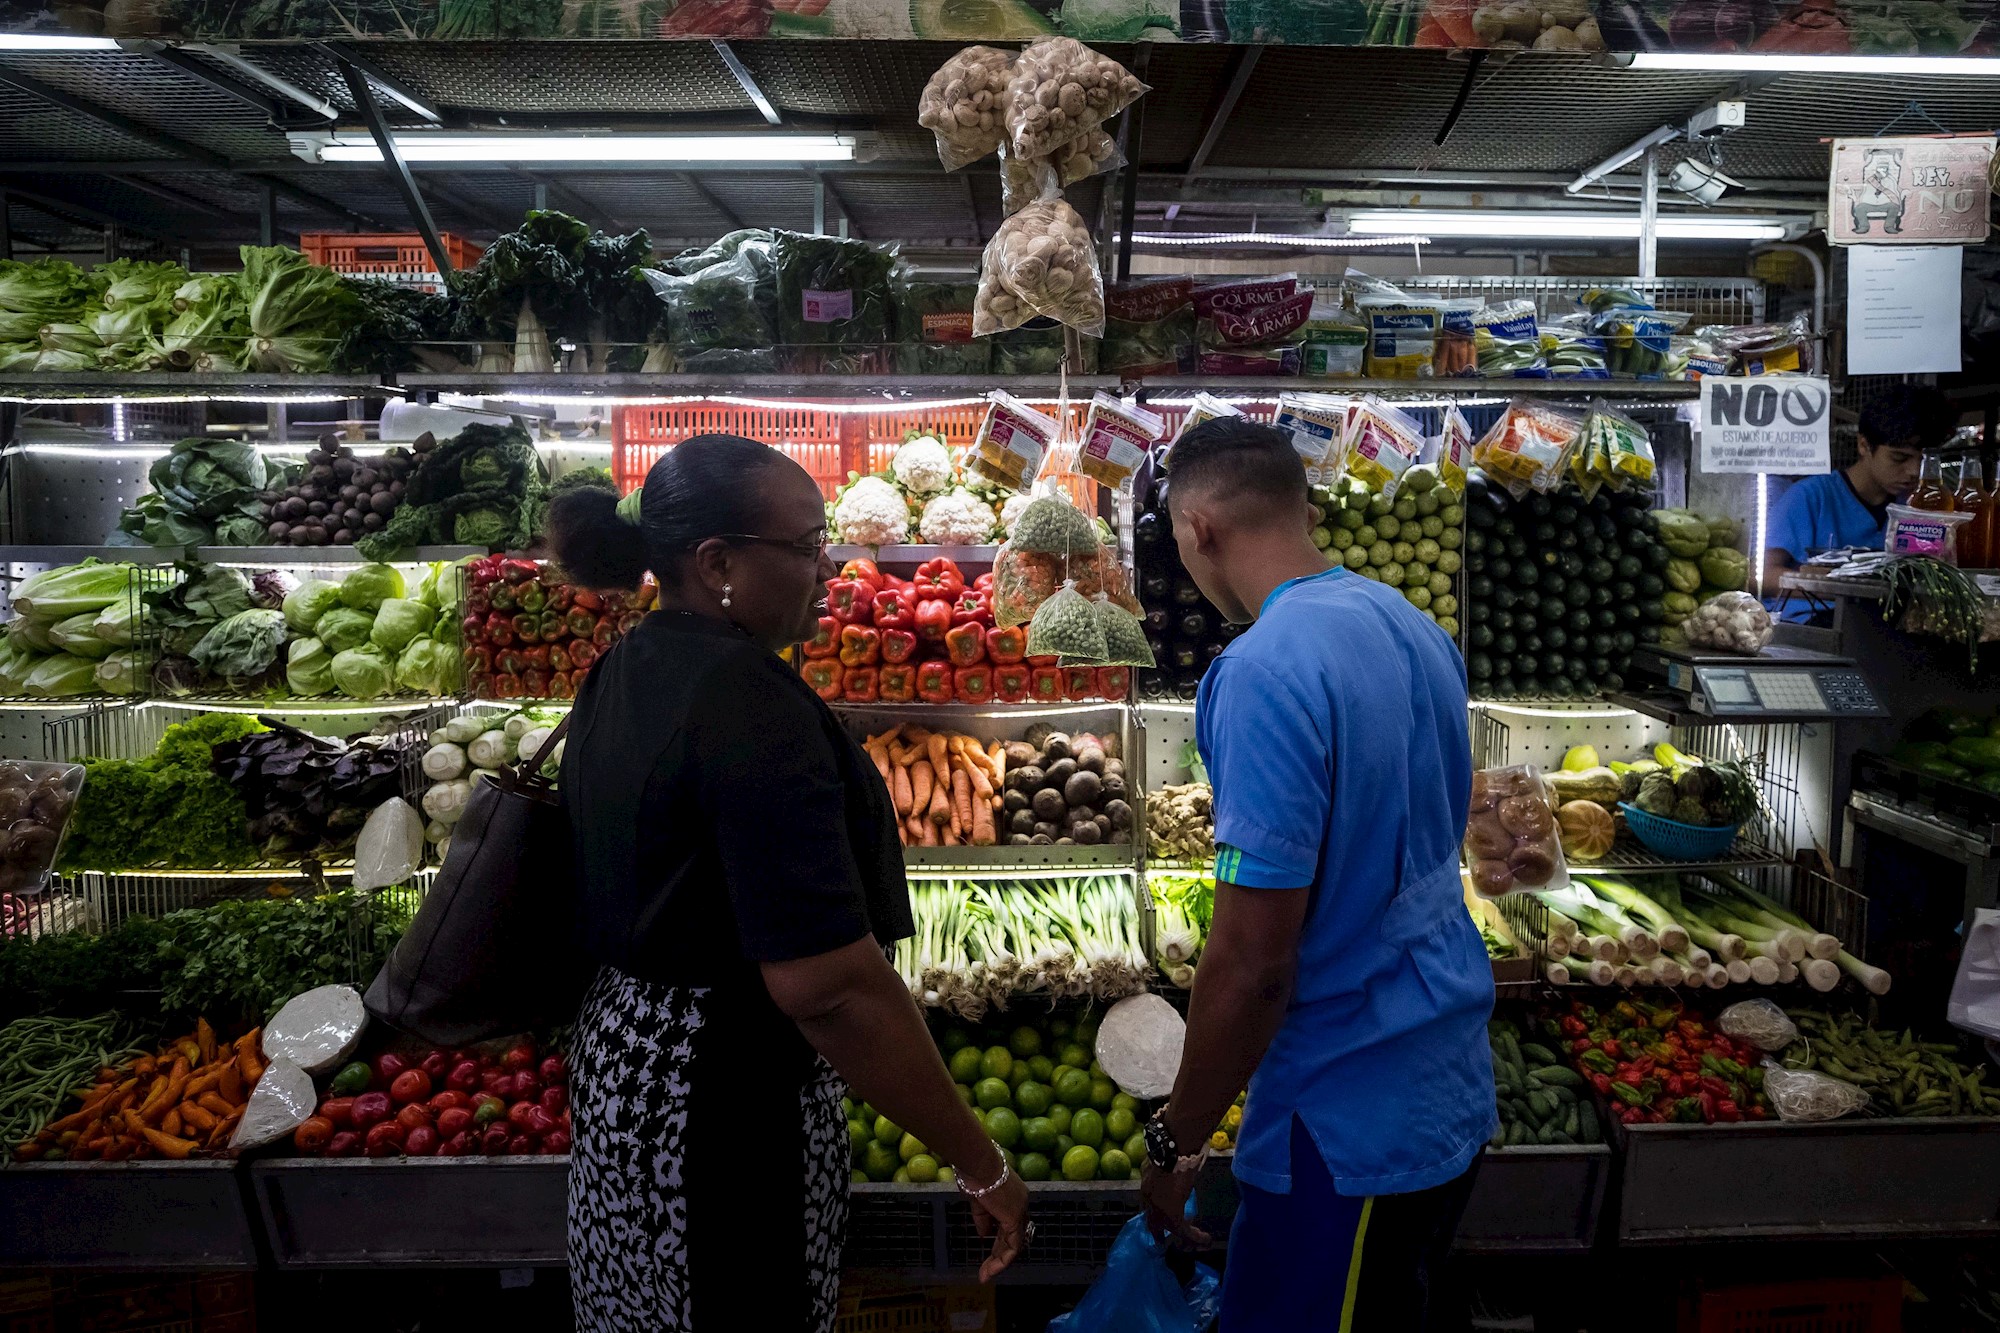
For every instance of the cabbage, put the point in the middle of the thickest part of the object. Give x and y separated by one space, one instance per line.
59 676
309 667
343 628
120 673
427 667
305 604
243 646
399 621
370 586
362 673
75 636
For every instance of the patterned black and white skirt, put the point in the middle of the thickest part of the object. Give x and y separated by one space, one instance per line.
709 1168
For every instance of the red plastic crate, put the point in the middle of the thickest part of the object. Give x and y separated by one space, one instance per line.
396 257
1828 1305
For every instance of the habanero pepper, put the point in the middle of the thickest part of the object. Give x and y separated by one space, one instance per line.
934 682
825 641
1010 682
973 684
823 676
857 685
1114 682
1079 682
898 646
1004 647
848 601
933 620
965 645
896 683
893 609
939 578
860 646
1045 684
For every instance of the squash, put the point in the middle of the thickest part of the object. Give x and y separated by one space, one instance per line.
1587 830
1598 784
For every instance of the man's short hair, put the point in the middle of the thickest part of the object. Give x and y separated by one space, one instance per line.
1908 416
1235 456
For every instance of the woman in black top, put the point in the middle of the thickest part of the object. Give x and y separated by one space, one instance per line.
740 876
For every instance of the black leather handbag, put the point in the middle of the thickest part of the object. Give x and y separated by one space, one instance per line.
491 951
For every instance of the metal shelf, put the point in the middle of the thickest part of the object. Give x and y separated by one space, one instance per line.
279 557
1109 856
70 386
499 385
915 554
126 1215
1629 858
70 555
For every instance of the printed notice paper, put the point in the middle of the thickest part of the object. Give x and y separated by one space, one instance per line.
1765 423
1902 309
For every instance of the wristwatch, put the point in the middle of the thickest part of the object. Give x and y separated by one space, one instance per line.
1163 1152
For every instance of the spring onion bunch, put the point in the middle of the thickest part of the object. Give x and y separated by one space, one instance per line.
979 944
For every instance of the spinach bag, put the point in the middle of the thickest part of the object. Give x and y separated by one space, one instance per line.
934 327
832 293
723 317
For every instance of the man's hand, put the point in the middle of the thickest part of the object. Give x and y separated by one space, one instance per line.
1166 1195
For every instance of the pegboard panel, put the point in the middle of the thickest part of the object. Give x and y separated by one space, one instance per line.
22 727
1540 734
1168 727
70 499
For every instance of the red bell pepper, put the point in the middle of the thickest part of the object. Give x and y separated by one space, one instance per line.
972 608
559 657
1046 659
506 686
531 597
862 571
473 629
478 660
860 646
933 619
478 602
514 570
973 684
499 630
939 578
857 685
894 609
561 686
1045 684
965 645
823 675
984 582
535 683
898 646
606 632
1114 682
826 641
896 683
1010 682
483 571
630 621
560 597
580 621
510 661
848 600
528 627
582 652
1079 682
1007 646
934 682
552 627
588 600
536 658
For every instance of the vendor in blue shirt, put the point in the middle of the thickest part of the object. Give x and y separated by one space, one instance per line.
1850 507
1342 979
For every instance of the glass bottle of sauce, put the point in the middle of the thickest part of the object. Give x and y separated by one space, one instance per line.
1931 493
1975 539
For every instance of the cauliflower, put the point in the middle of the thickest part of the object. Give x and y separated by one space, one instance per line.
922 466
1010 512
957 518
871 513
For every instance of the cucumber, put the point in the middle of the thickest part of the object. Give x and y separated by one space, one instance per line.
1572 1125
1560 1137
1546 1134
1558 1076
1587 1130
1541 1055
1513 1050
1563 1095
1543 1104
1517 1134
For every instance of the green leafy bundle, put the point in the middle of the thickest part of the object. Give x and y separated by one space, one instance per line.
934 327
722 315
205 493
832 292
73 972
614 299
297 310
246 958
485 486
209 328
530 280
389 324
166 811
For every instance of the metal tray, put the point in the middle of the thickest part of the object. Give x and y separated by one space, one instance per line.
126 1215
396 1212
1536 1200
1840 1178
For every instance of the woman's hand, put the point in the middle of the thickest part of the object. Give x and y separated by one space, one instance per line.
1005 1212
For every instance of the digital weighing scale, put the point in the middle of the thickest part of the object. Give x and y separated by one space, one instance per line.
1781 681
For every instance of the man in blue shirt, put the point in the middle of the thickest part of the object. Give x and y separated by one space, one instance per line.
1341 969
1850 507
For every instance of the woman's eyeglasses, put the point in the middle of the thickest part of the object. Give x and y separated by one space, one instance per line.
812 545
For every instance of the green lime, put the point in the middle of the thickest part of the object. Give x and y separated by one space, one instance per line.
992 1092
1125 1101
964 1093
1119 1123
923 1168
1059 1117
955 1040
1073 1088
1020 1074
879 1162
1042 1068
1073 1055
1038 1134
1086 1034
1003 1126
996 1062
1024 1042
902 1176
847 1107
1063 1144
887 1132
947 1176
1102 1090
1114 1165
1087 1128
858 1135
1135 1147
1034 1166
857 1176
866 1114
1097 1071
1080 1163
911 1146
1033 1098
965 1065
1060 1028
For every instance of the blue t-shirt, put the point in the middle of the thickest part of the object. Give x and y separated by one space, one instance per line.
1817 514
1334 731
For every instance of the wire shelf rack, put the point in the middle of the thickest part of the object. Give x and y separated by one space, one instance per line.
1708 300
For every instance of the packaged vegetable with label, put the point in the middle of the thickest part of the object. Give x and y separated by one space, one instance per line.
1571 351
1762 349
1041 347
1252 312
1402 337
1619 448
1380 444
1022 581
1206 407
1053 525
1336 341
1508 341
1059 90
934 326
1012 442
1149 328
1923 532
1124 637
1315 424
1528 447
1451 448
1066 626
964 105
832 291
1116 439
1040 262
1457 354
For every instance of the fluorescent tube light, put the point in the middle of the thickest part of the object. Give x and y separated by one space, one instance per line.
29 41
1564 226
1781 63
417 146
1304 241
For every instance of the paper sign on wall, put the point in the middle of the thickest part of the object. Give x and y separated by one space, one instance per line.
1902 309
1766 423
1909 191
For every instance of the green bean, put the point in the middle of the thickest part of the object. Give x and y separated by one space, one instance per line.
43 1061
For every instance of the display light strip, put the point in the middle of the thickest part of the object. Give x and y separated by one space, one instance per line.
1527 710
1778 62
46 400
424 146
1568 226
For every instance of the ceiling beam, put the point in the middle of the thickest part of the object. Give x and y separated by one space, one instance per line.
285 88
712 199
415 103
66 211
575 201
299 194
1218 119
399 171
175 197
175 59
826 182
748 83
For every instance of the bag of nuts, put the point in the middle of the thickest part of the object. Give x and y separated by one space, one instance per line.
1079 159
1061 90
964 105
1040 262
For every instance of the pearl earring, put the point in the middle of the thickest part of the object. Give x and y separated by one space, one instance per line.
725 594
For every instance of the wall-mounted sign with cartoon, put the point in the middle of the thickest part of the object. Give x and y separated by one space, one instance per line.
1909 191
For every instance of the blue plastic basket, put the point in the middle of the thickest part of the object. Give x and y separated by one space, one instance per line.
1677 841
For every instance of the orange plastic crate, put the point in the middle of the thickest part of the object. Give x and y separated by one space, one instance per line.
1827 1305
397 257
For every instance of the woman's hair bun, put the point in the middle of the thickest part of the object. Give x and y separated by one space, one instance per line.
593 544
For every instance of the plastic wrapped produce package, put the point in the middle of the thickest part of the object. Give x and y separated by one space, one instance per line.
964 105
1040 262
1060 90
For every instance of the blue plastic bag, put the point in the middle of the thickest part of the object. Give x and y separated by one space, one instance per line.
1139 1293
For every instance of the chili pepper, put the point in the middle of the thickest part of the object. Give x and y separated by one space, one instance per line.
939 578
896 683
559 597
477 661
893 609
1756 1113
1010 682
1004 647
500 597
1079 682
1630 1114
1662 1052
1596 1059
933 620
478 601
862 571
857 685
860 646
582 652
1628 1094
1602 1082
511 661
1610 1047
973 684
848 601
965 645
527 627
972 608
531 597
898 646
1114 682
1580 1045
535 683
823 675
1728 1112
1045 684
1571 1026
483 571
562 684
1714 1087
934 682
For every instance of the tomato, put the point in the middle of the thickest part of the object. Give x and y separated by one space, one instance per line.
453 1121
338 1112
435 1064
387 1066
414 1116
370 1109
345 1144
422 1142
554 1072
464 1076
458 1145
384 1140
447 1099
555 1100
412 1085
521 1055
313 1135
493 1142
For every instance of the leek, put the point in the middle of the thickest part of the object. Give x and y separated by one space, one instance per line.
1819 944
1595 971
1671 934
1873 979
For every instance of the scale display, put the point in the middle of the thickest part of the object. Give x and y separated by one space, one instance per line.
1789 690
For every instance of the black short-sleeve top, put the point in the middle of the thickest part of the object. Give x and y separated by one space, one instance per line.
722 816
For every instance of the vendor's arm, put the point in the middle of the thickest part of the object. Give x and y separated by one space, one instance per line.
1788 536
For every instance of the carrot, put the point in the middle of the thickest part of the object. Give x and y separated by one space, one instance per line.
975 768
922 779
204 1039
196 1116
940 807
230 1083
940 761
996 761
878 750
223 1129
949 836
249 1066
900 793
144 1065
171 1122
983 834
961 800
212 1103
118 1149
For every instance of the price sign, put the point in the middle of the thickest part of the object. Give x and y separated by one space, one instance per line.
1766 423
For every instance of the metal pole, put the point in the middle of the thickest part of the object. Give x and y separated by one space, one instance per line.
399 170
819 206
267 216
110 241
1649 217
541 197
1132 140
